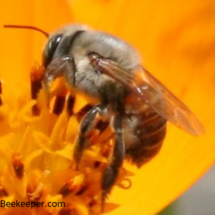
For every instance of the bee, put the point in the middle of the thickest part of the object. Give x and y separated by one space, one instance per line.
136 105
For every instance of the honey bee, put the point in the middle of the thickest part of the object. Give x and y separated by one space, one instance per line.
136 105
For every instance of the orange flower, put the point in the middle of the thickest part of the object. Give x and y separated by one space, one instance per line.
176 40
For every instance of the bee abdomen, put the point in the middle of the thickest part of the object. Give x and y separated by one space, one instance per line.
148 135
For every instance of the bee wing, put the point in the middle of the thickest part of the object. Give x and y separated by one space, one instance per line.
149 90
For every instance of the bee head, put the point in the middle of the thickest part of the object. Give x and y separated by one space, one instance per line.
60 42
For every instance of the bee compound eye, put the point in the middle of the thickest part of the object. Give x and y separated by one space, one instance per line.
51 48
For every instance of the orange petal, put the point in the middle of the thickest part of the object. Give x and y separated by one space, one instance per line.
21 48
176 40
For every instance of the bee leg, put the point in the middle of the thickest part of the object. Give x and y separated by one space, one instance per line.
111 172
86 126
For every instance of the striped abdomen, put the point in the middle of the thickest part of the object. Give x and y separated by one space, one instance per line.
143 135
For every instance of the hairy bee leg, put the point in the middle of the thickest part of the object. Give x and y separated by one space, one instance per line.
87 124
111 172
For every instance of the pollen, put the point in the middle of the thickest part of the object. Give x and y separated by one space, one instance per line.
37 136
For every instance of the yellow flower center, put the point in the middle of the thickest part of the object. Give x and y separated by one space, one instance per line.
36 146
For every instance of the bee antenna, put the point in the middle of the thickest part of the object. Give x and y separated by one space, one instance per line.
27 27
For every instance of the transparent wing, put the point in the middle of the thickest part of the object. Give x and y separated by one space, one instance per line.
149 90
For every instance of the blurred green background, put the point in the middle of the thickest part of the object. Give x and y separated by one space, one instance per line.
198 200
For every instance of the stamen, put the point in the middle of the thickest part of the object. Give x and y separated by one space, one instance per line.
65 211
36 76
97 164
65 190
93 202
74 185
59 104
37 193
18 165
70 105
3 192
83 188
106 149
101 125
